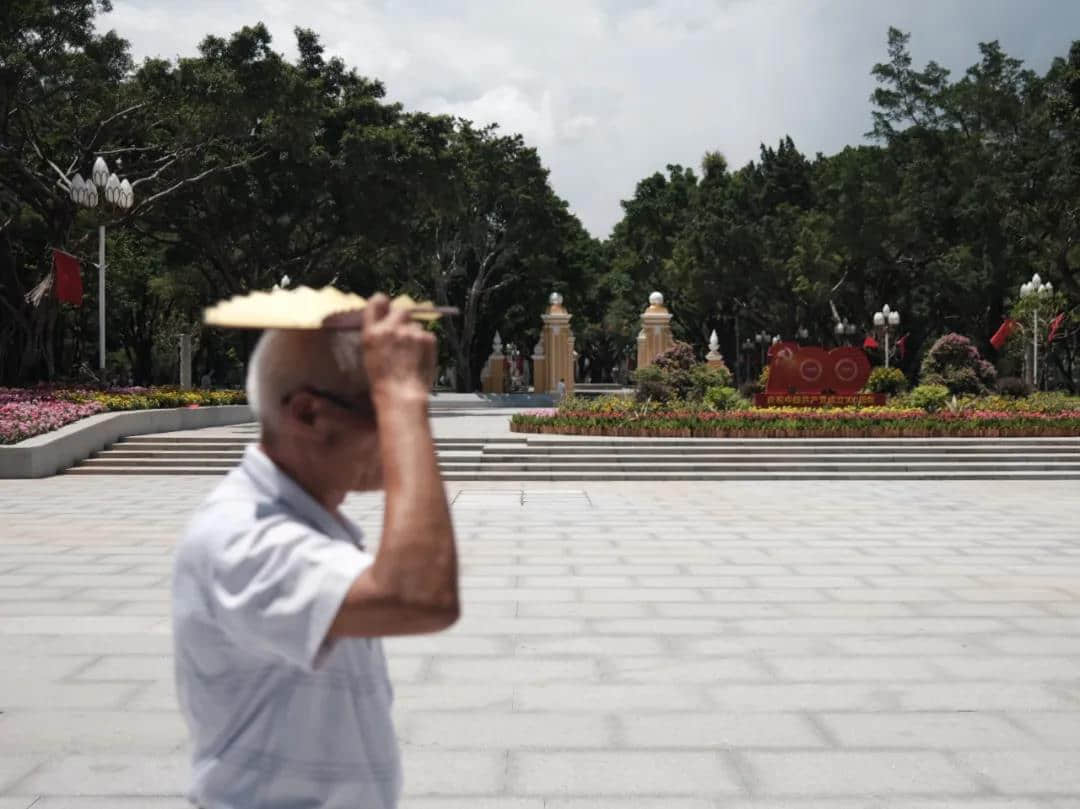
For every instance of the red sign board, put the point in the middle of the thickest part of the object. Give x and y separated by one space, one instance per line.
795 369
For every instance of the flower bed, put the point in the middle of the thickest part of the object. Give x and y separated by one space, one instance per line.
26 412
871 422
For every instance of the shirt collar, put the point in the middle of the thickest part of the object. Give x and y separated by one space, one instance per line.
266 474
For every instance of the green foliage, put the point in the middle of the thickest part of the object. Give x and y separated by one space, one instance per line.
969 186
887 380
763 379
653 385
724 398
1013 386
930 398
874 422
677 375
955 362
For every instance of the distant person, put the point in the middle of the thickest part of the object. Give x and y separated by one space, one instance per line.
206 380
561 389
278 607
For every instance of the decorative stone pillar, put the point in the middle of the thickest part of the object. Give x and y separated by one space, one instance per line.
185 361
493 381
558 348
714 359
539 367
656 329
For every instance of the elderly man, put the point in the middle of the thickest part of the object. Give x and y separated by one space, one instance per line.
278 607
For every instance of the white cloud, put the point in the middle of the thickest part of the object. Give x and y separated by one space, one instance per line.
612 90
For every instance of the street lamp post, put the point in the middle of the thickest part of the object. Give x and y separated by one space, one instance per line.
763 339
119 194
885 321
843 329
748 351
1035 287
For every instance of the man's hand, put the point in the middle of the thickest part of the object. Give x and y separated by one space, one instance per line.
399 356
412 586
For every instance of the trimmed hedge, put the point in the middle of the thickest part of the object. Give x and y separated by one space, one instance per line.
884 422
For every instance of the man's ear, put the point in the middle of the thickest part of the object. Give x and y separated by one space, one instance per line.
302 411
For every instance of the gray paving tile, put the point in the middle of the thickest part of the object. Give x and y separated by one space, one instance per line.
107 775
663 634
857 773
622 772
1027 771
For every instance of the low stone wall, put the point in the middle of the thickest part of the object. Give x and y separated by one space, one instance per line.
47 454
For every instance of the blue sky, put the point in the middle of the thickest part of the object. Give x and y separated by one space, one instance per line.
611 91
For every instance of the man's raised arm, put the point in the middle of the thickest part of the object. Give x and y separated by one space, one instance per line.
412 586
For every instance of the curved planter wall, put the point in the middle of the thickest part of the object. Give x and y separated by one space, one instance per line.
47 454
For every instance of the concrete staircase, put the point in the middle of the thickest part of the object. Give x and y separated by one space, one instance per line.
553 458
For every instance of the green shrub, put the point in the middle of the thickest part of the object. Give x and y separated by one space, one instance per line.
703 378
677 375
724 398
748 389
955 362
887 380
1013 387
929 397
653 385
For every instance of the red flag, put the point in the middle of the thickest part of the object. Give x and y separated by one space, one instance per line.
869 343
901 346
68 277
1055 324
1003 333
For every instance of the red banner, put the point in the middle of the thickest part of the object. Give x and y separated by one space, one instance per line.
795 369
68 278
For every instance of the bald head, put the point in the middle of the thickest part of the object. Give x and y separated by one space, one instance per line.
285 360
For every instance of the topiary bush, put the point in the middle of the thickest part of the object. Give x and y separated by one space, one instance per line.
955 362
930 398
677 375
1013 387
887 380
724 398
653 385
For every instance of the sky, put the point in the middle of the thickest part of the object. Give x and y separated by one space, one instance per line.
610 91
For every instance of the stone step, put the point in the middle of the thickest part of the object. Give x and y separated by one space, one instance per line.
719 451
234 455
581 458
695 460
606 466
1067 442
566 477
495 449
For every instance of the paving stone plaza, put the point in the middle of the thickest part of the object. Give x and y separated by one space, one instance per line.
806 645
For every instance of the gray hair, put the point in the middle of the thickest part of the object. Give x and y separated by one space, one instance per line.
287 359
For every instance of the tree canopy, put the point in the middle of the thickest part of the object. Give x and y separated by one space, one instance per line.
252 170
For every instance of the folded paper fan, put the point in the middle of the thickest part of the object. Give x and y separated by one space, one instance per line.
306 308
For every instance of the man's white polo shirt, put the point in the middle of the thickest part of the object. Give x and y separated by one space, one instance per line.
280 717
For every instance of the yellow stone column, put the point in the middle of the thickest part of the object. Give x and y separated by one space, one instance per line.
558 347
656 329
539 368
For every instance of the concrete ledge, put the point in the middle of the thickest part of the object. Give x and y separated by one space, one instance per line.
47 454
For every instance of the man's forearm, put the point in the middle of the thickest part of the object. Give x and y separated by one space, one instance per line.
416 560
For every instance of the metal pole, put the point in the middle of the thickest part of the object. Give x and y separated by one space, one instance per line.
738 348
101 297
886 347
1035 350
